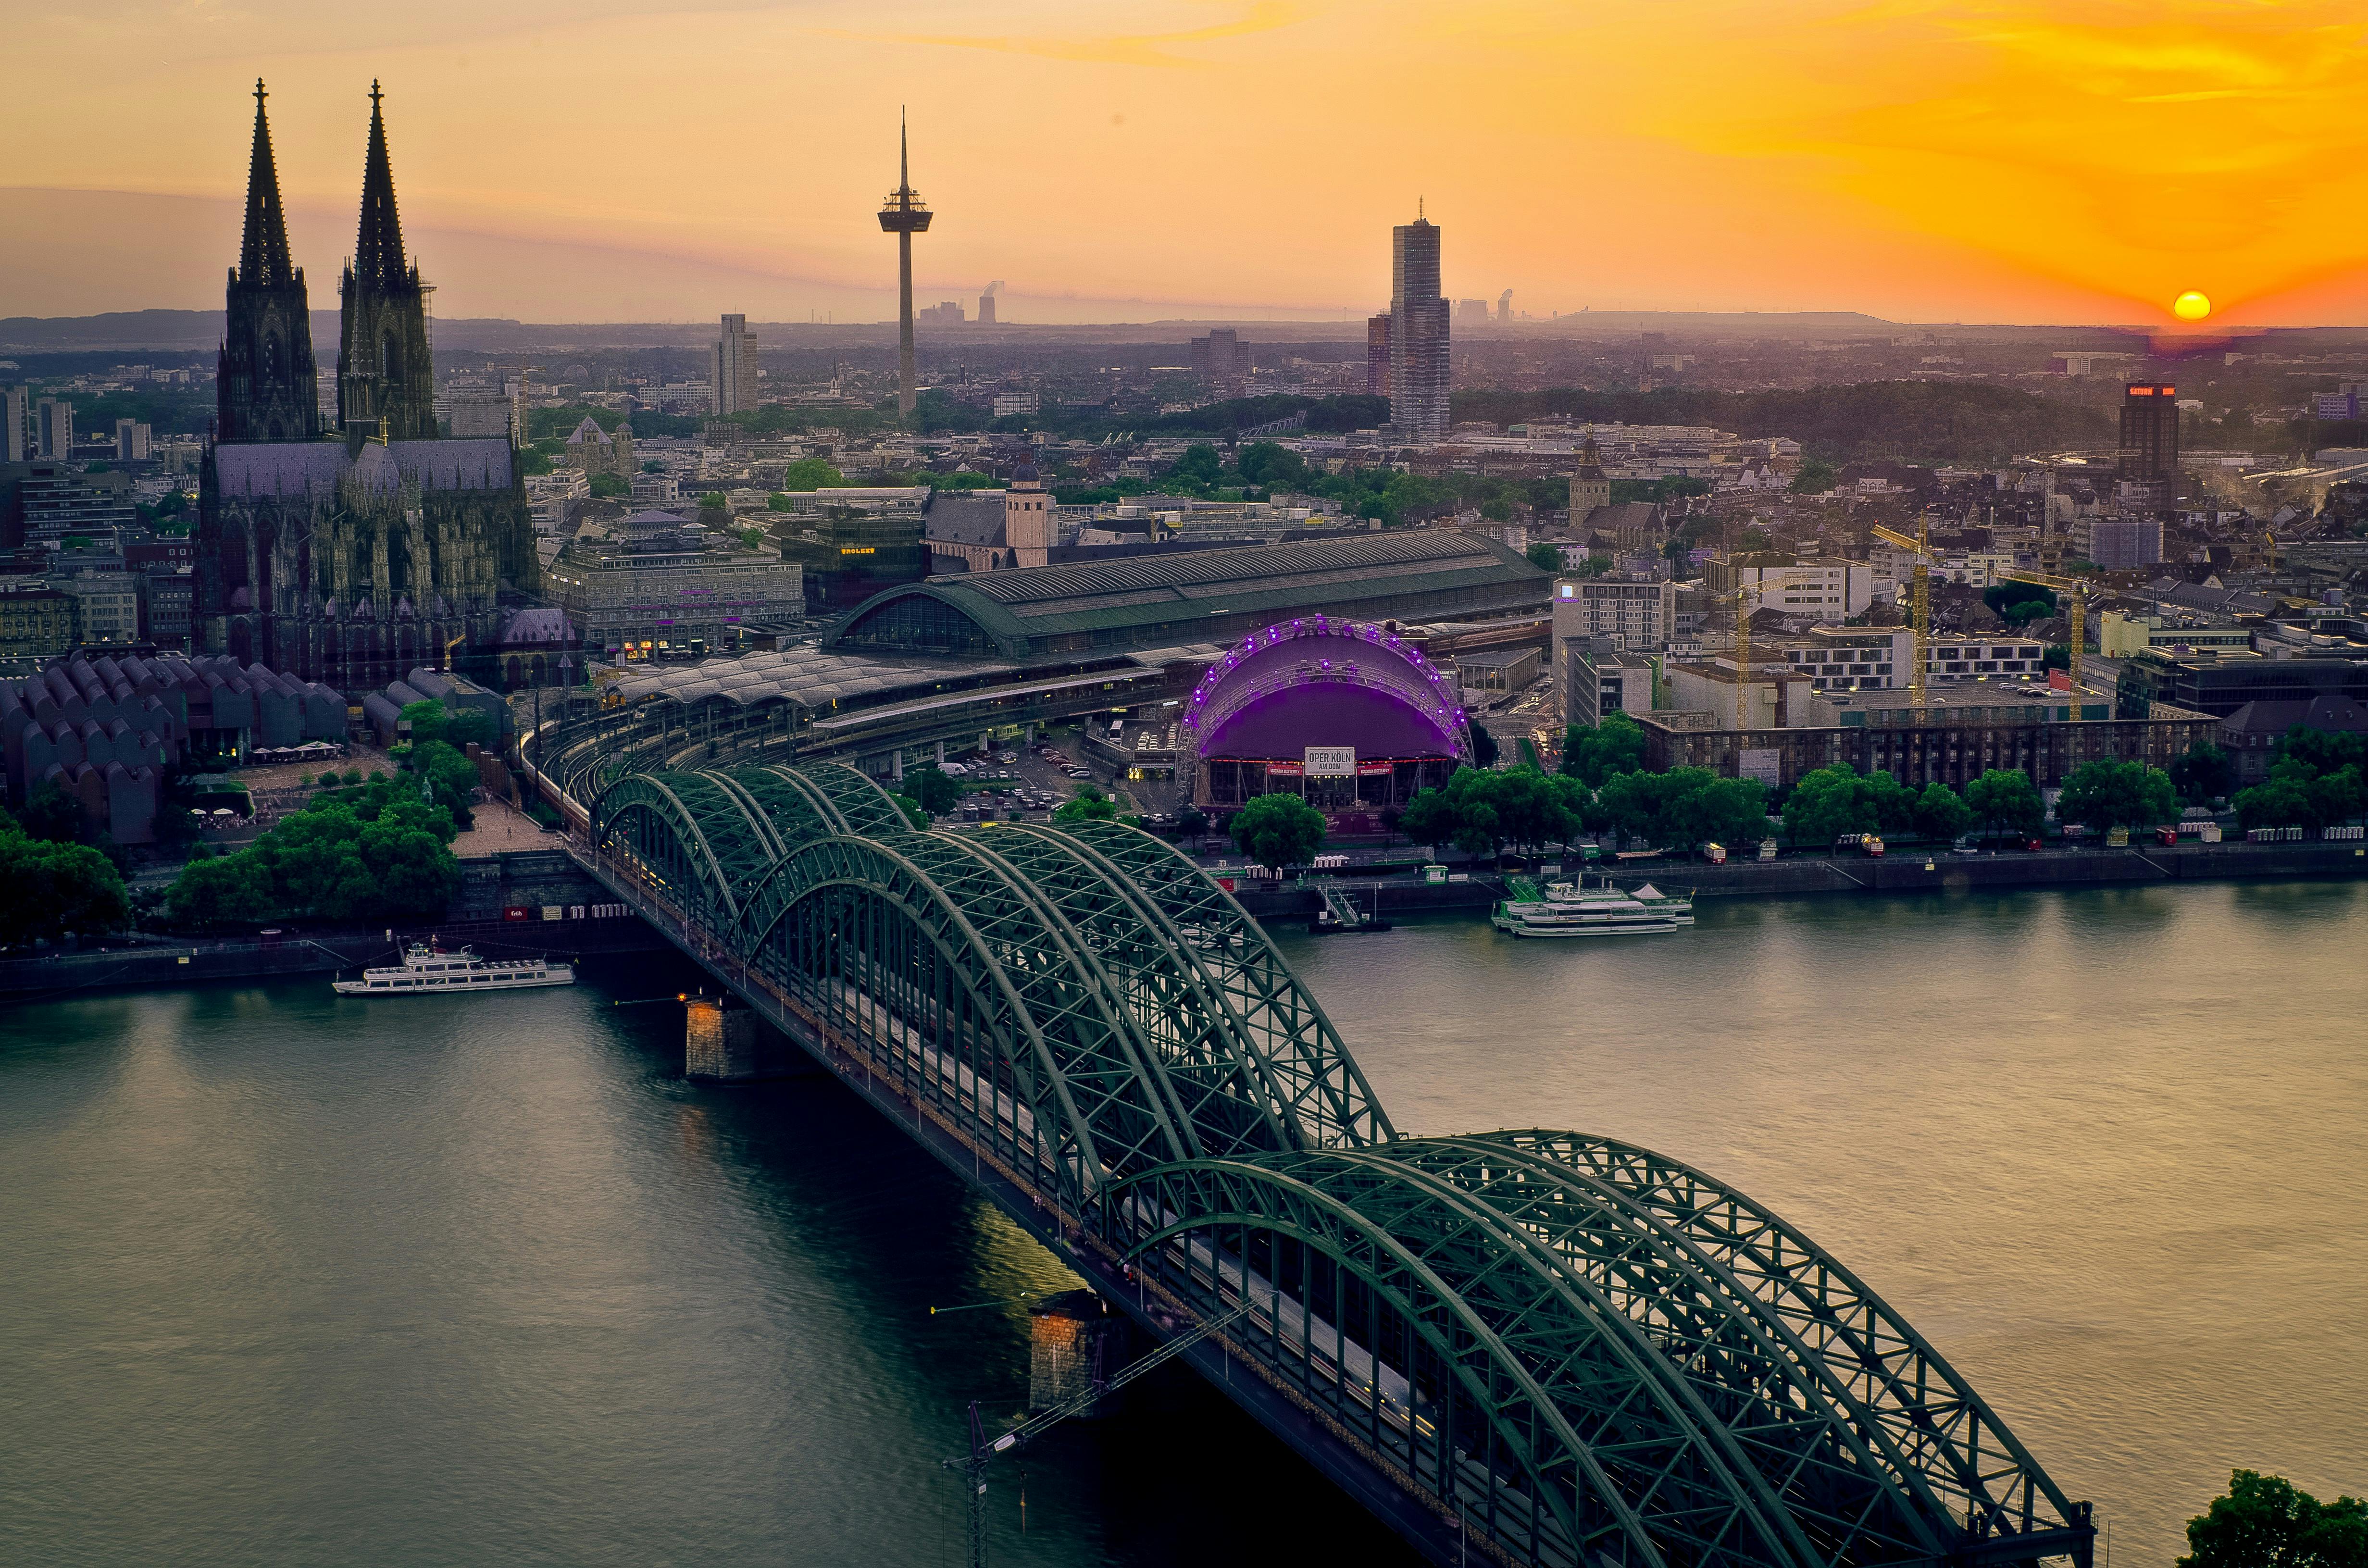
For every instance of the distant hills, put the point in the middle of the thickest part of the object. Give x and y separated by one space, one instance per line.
181 330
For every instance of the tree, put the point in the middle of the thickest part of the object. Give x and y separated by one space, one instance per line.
426 718
1684 807
352 860
1191 823
52 814
49 889
212 893
1593 755
1720 811
2103 795
2265 1521
1815 479
2297 794
2009 600
913 810
469 726
1198 468
609 486
1279 830
1544 557
937 793
1483 744
1271 464
1089 804
1826 804
2005 798
806 474
452 778
2205 774
1941 813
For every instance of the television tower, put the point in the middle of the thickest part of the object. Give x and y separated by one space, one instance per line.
903 215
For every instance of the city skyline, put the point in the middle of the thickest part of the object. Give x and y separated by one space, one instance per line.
1950 161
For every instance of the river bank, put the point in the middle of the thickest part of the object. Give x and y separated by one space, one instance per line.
540 900
511 901
1906 872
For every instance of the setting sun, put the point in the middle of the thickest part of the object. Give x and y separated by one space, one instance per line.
2191 306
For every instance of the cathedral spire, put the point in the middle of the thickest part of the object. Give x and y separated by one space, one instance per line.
263 258
378 251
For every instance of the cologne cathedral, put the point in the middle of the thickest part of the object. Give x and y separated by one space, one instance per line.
351 555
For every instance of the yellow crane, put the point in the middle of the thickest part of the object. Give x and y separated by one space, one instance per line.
1919 616
2076 592
1747 598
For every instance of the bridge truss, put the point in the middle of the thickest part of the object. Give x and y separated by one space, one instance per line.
1574 1351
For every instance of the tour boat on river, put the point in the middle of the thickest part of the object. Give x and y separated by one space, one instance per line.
424 969
1566 909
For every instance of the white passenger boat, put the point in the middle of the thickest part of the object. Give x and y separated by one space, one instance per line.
1679 906
1567 910
424 969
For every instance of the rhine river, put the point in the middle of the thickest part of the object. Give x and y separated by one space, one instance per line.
291 1279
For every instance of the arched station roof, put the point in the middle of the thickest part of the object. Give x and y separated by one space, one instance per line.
1185 597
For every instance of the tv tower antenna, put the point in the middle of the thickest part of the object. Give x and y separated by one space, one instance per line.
903 215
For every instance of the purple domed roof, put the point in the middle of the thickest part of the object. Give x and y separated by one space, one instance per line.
1317 683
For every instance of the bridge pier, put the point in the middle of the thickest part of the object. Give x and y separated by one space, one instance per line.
1074 1340
733 1044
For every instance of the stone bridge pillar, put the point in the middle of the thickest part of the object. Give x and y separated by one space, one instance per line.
729 1043
1073 1339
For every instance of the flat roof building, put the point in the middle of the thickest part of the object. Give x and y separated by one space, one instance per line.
1967 729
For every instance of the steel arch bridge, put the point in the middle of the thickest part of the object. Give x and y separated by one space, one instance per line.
1567 1349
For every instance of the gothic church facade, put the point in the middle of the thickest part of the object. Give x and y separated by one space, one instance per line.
348 556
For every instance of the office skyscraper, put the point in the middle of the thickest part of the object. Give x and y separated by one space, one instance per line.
14 448
1418 378
1377 355
2149 432
733 368
55 428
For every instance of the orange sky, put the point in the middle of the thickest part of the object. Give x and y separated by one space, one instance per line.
1936 160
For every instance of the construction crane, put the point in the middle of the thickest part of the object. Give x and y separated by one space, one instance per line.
1919 614
2077 591
974 1464
1748 598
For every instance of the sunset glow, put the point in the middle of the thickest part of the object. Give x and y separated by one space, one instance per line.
1982 159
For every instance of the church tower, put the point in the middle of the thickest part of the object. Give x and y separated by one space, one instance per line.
1589 488
1028 516
385 371
265 386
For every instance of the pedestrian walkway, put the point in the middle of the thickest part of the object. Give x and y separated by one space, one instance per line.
499 827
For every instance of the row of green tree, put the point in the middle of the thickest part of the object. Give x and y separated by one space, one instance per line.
2318 781
2266 1521
51 887
1258 469
356 855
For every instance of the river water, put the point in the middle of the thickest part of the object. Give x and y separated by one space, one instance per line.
292 1280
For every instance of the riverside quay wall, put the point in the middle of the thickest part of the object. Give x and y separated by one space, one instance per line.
1903 872
516 901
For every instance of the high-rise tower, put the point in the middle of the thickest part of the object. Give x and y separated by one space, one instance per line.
1418 373
732 368
265 386
903 215
384 367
